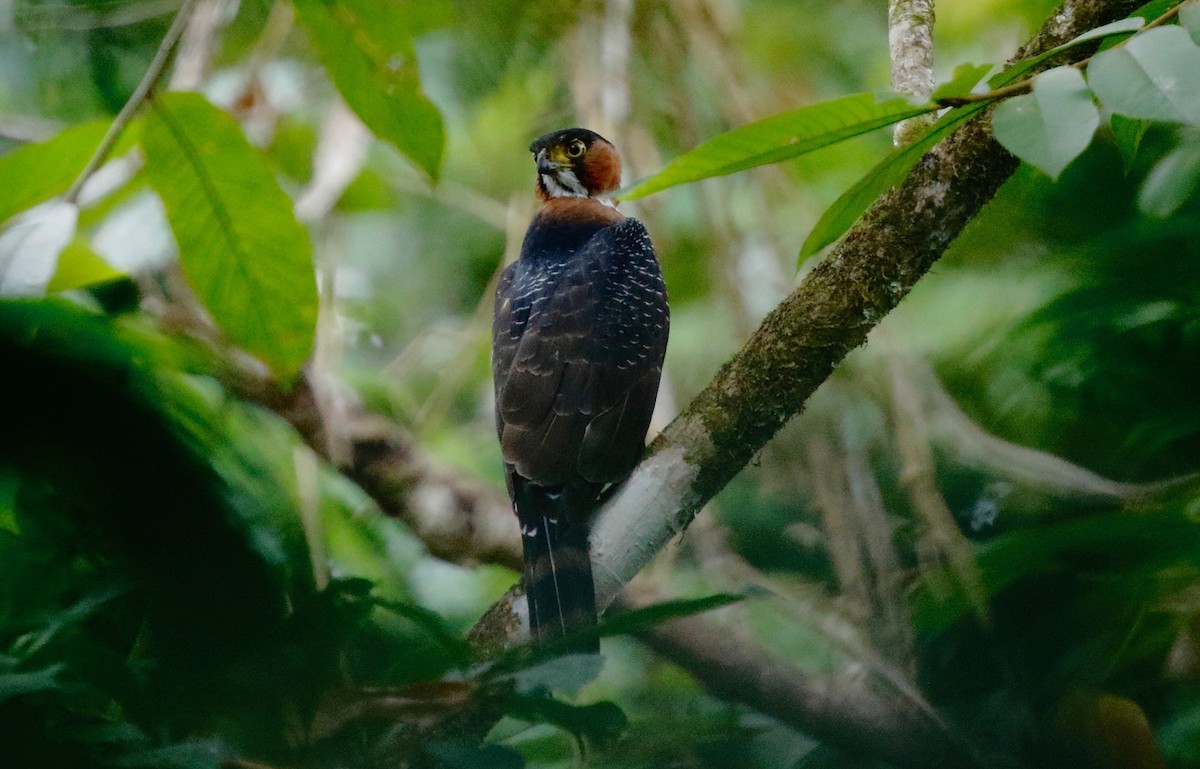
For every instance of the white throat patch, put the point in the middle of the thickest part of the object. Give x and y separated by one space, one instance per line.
564 184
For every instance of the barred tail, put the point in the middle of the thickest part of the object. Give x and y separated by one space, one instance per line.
558 572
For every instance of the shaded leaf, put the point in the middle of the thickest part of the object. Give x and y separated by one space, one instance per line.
244 253
30 245
966 76
565 675
647 617
1127 135
1189 17
1172 181
433 625
602 721
1122 543
37 172
188 755
14 684
1155 76
890 171
777 138
367 49
1153 9
1051 126
465 754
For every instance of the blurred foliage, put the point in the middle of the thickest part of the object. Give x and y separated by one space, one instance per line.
182 583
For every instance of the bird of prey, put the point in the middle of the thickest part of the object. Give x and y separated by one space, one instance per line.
578 339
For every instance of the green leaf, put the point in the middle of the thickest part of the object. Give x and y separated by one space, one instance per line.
368 51
1121 27
889 172
1154 76
466 754
602 721
965 77
565 675
37 172
637 620
244 253
779 137
1172 181
1051 126
79 266
432 624
187 755
1189 17
14 684
1127 135
1153 9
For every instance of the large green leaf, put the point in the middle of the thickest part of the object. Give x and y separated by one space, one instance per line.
37 172
1189 17
889 172
1172 181
779 137
367 49
1051 126
243 251
1154 76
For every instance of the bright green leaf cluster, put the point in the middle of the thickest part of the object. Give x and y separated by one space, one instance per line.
1153 75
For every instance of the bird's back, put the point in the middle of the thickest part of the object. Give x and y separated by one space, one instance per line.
578 340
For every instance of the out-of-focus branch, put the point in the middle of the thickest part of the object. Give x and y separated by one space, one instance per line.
1026 468
942 538
847 712
458 519
194 59
910 42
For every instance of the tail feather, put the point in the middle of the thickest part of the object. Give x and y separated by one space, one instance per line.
558 572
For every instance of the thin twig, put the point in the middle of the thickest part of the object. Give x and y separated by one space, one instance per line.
154 73
1012 89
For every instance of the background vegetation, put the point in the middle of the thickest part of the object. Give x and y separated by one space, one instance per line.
250 508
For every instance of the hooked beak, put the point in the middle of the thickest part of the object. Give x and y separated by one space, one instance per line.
545 165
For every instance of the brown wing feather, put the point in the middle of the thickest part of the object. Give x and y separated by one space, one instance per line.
578 359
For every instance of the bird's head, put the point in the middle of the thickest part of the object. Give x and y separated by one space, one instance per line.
575 163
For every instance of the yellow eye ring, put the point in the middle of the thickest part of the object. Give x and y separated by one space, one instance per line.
576 149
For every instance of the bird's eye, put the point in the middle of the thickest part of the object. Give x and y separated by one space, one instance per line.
575 149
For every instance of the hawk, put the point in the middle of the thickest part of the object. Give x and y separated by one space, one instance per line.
578 340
